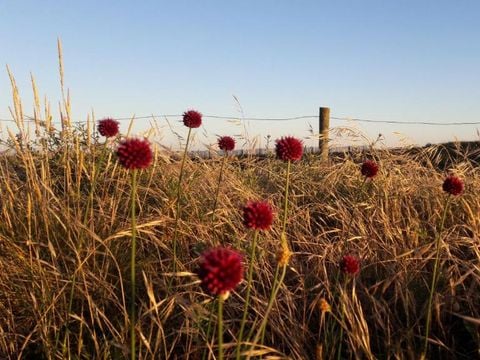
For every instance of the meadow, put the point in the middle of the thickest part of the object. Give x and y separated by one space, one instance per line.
67 228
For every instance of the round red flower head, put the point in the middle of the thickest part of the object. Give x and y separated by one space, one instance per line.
453 185
258 215
226 143
192 119
108 127
350 265
220 270
369 168
135 153
289 148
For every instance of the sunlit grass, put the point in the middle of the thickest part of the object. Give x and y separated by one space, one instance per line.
66 210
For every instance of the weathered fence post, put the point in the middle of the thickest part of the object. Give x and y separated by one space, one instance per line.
324 123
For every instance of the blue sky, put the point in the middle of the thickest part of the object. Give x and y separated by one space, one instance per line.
383 60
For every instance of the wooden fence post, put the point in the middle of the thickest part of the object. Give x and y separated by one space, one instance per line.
324 124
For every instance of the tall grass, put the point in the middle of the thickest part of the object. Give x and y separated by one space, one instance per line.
46 180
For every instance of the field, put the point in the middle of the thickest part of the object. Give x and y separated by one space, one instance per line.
66 240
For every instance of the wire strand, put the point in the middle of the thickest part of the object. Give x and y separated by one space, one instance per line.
407 122
301 117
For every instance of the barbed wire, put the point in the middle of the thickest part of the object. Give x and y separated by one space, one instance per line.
301 117
409 122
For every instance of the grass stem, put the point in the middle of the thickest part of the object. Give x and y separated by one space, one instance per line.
247 296
220 327
217 192
434 278
178 201
133 266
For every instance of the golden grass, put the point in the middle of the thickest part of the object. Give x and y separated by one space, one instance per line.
51 233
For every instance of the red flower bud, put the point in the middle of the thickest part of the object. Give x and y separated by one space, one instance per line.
192 119
134 153
453 185
369 168
108 127
226 143
289 148
350 265
220 270
258 215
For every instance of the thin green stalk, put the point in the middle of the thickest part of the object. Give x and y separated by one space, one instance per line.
91 194
88 208
283 238
277 283
95 172
345 238
327 335
434 278
132 266
220 327
69 309
179 193
218 187
269 309
342 318
247 297
285 202
209 328
353 208
102 156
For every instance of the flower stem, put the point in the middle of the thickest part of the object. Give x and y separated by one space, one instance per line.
269 308
95 173
434 278
345 245
179 193
247 297
277 283
218 188
220 327
88 208
275 277
342 318
352 211
209 329
132 266
285 203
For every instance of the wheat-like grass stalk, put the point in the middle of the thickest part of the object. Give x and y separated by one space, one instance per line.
45 184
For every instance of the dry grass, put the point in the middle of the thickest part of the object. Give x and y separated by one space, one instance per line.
54 228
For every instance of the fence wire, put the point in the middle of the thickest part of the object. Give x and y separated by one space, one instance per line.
300 117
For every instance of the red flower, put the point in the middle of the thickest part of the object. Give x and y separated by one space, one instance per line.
289 148
220 270
350 265
192 119
226 143
135 153
108 127
369 168
453 185
258 215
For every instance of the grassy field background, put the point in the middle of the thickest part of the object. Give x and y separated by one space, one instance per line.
65 246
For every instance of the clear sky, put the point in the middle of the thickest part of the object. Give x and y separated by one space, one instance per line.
382 60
